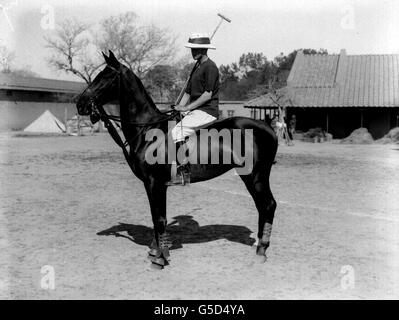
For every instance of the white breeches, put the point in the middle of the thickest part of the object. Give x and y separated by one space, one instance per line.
190 122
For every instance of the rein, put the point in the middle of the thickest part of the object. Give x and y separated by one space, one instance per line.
102 114
138 124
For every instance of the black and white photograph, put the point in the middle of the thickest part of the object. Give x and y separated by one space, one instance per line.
223 150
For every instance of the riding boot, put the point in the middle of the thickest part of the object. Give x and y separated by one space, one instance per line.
180 175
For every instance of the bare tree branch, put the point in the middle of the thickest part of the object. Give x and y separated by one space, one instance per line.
69 48
139 47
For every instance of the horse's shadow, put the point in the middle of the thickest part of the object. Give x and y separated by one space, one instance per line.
184 229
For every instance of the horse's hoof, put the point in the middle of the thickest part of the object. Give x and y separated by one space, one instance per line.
153 252
160 261
156 266
261 248
261 258
260 251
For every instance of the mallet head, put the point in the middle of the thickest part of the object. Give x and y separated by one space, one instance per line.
224 17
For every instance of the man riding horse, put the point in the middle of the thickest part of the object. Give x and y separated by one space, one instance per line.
199 104
139 118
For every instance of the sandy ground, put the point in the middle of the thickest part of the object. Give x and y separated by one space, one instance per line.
336 230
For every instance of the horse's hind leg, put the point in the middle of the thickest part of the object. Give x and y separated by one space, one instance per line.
258 186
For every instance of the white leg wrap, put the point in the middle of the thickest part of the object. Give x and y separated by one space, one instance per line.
267 232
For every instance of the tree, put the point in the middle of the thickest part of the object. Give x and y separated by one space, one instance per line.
252 61
70 49
139 47
228 73
229 81
255 75
285 62
161 81
247 78
183 72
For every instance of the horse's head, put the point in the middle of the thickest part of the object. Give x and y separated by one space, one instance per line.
103 89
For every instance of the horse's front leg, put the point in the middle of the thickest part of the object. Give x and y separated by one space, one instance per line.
159 249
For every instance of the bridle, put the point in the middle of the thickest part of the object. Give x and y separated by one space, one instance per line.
98 112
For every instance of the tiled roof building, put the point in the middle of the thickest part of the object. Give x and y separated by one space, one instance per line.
357 84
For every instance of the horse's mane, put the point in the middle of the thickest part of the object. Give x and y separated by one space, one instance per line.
142 89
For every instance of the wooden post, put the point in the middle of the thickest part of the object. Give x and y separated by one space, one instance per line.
361 118
327 124
66 119
78 125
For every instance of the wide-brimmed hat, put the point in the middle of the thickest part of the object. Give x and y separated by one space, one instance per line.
199 40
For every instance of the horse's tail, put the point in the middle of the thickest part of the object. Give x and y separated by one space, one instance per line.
269 141
272 137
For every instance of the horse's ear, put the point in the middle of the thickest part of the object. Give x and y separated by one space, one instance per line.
112 59
105 57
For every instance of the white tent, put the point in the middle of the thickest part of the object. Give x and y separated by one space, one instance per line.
46 123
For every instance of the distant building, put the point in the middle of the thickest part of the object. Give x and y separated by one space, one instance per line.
226 109
23 99
339 93
232 109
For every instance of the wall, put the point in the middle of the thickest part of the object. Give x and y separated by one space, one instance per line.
34 96
16 115
237 107
224 107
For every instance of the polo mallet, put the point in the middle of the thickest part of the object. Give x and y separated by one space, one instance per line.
222 18
180 96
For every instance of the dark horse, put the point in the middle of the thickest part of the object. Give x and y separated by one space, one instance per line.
138 114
